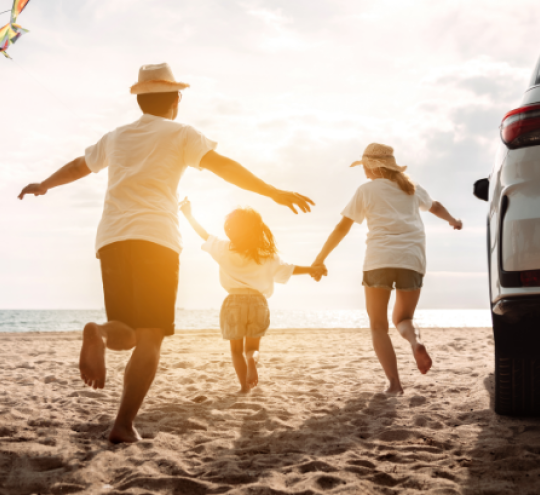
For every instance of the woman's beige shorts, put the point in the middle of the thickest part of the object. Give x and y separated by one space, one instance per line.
244 315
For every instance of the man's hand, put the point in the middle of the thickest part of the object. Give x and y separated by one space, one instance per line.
35 189
318 271
292 199
185 207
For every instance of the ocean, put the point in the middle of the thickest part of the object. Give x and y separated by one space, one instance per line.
191 319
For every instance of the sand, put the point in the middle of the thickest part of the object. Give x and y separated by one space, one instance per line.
317 424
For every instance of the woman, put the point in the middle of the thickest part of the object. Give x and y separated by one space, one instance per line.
395 253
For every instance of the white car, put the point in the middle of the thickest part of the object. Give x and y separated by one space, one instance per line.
513 239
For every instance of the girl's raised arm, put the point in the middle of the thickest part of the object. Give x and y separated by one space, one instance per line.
185 208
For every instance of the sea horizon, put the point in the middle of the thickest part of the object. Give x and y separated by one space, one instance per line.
65 320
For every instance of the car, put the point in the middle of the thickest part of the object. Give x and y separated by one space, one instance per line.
513 254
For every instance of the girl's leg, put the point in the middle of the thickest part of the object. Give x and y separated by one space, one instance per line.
239 363
406 301
377 309
252 356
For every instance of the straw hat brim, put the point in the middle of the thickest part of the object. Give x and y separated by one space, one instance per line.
371 163
157 86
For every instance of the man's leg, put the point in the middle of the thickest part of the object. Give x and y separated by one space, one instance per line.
406 301
139 375
239 363
113 335
252 358
377 307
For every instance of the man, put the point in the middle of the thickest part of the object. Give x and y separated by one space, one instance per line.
138 241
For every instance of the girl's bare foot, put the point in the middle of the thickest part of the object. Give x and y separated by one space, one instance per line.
252 377
92 358
423 361
244 390
120 434
394 388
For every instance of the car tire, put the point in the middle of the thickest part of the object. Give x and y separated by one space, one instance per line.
517 368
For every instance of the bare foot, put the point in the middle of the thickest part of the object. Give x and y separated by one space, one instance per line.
423 361
394 389
120 434
92 358
252 377
244 390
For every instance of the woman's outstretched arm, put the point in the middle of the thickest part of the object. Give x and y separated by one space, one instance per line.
339 232
441 212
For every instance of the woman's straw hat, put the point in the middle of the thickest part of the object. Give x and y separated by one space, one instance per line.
156 78
379 155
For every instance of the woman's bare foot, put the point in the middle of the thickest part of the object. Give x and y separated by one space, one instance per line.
120 434
423 361
92 358
252 377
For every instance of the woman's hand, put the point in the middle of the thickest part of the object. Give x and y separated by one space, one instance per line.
185 206
318 271
456 223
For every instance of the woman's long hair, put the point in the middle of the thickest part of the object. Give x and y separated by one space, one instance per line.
249 235
403 180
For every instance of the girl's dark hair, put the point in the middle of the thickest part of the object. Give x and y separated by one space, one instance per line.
157 103
249 235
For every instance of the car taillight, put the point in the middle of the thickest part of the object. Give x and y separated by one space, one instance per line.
530 278
521 127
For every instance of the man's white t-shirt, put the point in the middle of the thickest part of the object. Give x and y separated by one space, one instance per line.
146 160
239 272
396 237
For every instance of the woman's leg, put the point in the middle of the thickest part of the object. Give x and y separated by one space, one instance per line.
377 309
239 363
252 356
406 301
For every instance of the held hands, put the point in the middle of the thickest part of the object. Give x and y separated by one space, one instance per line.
317 271
292 199
35 189
456 223
185 206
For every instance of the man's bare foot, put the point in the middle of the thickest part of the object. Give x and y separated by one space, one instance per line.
120 434
92 358
423 361
252 377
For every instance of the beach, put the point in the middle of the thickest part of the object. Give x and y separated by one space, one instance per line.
318 422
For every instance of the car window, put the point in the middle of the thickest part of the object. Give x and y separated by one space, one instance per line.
535 79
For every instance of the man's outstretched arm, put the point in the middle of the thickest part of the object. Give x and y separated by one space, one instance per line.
234 173
75 170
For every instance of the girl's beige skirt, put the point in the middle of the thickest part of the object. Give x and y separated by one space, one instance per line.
244 313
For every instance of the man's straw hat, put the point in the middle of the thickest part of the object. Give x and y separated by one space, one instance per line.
379 155
156 78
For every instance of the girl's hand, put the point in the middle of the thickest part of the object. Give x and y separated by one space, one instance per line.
318 271
185 206
456 223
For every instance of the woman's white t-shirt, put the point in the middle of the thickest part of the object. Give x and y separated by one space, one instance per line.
396 237
238 272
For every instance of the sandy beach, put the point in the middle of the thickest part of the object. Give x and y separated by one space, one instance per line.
316 424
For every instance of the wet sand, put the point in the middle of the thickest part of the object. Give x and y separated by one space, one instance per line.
317 424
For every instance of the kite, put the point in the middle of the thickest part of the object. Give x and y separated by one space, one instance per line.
11 32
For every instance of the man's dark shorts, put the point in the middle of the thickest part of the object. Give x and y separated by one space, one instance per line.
385 278
140 281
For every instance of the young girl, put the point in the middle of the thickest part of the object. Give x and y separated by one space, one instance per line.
248 268
395 252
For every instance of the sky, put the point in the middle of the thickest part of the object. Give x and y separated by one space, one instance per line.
294 90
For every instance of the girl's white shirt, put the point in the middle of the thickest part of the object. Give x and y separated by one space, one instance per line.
396 237
238 272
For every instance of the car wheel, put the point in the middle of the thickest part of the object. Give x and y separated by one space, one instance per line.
517 366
